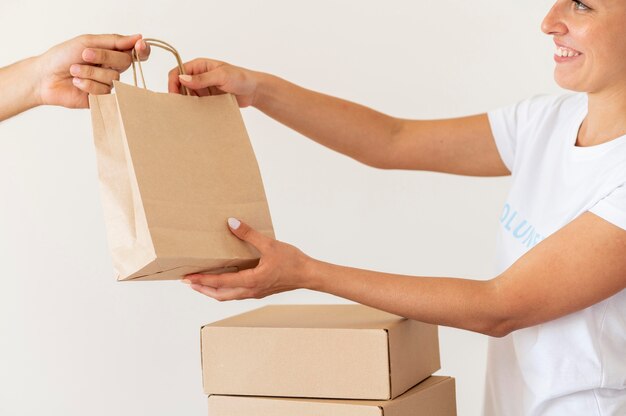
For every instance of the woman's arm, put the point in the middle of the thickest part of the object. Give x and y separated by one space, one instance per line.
67 73
576 267
462 146
18 84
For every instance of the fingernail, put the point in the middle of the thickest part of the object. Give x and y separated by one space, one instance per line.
76 81
74 69
234 223
186 78
186 281
89 55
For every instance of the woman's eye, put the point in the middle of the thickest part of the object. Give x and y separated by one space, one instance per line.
580 5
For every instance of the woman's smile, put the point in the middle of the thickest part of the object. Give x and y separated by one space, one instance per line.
564 54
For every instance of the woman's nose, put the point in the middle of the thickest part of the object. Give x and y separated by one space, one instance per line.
553 23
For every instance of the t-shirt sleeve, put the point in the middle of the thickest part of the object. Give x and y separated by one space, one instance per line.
503 123
613 207
508 124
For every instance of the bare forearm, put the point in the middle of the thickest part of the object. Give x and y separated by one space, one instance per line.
352 129
459 303
18 86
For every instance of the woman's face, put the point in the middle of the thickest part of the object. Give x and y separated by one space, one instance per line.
590 38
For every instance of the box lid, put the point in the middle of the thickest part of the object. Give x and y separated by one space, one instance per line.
350 316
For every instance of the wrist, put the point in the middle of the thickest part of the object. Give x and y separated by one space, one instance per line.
312 274
30 78
263 87
19 84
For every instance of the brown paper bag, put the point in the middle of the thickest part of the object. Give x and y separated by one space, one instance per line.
172 169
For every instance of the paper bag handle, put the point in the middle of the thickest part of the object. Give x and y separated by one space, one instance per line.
167 47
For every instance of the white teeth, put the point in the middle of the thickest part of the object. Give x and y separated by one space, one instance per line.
563 52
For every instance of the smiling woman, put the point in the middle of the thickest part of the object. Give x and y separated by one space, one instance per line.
594 33
555 310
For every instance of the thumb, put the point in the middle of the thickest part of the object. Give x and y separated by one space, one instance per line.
248 234
213 78
143 49
112 42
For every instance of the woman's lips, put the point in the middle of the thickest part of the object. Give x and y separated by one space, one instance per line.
565 53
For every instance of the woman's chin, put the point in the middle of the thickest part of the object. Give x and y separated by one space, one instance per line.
568 83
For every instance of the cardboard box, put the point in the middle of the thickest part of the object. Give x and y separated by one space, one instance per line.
318 351
433 397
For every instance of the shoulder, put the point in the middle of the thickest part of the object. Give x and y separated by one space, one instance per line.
544 106
542 111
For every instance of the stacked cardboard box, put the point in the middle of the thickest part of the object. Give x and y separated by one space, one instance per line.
323 360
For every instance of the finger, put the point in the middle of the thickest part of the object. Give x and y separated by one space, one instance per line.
200 65
225 280
196 66
102 75
119 61
173 84
214 78
112 42
222 294
143 49
246 233
91 87
173 81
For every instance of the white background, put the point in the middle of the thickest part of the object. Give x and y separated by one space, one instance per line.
75 342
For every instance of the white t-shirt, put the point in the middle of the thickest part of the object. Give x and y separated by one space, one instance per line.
574 365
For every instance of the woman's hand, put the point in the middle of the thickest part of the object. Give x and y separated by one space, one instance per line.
282 268
209 77
67 73
87 64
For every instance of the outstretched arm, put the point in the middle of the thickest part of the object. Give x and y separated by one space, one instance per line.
463 146
576 267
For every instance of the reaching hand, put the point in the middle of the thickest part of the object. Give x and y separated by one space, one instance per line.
87 64
282 268
207 76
